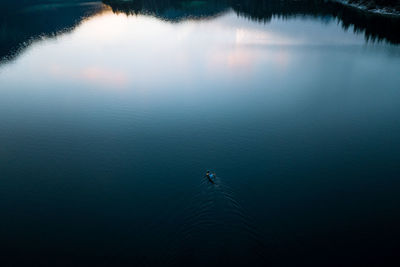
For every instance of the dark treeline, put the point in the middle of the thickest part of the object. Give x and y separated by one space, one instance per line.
23 21
8 7
170 10
12 4
20 24
375 27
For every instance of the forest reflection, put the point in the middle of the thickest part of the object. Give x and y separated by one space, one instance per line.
374 27
22 24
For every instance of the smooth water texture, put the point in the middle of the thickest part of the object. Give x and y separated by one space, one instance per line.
107 129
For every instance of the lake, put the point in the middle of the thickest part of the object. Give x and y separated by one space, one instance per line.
111 114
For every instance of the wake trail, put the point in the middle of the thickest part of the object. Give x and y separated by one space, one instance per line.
215 230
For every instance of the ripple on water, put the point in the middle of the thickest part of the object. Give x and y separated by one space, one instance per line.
215 230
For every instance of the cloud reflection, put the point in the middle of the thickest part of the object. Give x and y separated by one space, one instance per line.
263 37
144 54
99 76
102 75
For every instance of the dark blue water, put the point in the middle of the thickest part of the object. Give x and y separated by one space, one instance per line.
109 121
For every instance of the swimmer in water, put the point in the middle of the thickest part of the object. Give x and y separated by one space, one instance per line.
209 176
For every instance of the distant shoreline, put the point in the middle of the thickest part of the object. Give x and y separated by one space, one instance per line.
373 6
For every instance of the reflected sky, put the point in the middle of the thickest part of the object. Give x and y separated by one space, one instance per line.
143 52
23 24
153 63
107 129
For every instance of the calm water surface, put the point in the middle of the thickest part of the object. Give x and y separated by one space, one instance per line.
107 129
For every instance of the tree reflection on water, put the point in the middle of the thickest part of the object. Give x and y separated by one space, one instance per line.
21 23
